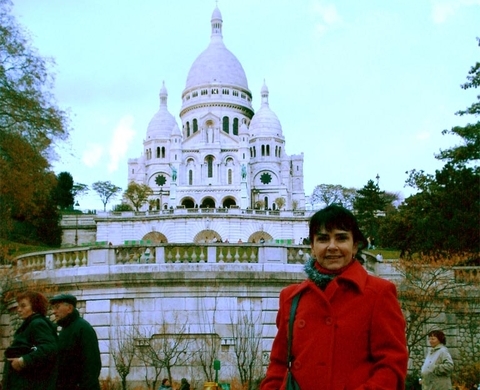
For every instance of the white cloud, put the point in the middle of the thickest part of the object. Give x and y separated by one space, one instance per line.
328 14
91 156
443 9
122 137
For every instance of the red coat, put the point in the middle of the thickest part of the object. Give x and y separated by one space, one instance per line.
350 336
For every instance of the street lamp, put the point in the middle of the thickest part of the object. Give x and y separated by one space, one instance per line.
76 224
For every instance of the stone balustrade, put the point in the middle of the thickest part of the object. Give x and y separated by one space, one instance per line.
164 253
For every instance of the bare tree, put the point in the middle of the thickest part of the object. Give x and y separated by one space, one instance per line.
168 347
123 351
149 357
426 291
207 347
247 333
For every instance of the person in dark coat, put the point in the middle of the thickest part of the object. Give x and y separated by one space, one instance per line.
184 385
349 330
79 353
31 359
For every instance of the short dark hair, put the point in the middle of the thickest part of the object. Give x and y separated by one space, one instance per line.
38 301
336 217
439 335
164 380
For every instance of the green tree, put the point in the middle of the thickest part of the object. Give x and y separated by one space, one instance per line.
30 123
443 217
27 210
63 193
27 107
137 194
469 151
79 189
106 190
369 203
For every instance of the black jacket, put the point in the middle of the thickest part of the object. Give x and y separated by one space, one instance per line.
79 355
40 371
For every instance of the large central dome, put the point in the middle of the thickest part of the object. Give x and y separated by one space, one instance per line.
216 64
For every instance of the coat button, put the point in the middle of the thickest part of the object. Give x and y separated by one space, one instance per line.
329 320
301 323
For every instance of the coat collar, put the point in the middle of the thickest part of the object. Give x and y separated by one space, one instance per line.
354 275
64 322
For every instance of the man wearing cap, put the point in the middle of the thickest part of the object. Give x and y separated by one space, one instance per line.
79 355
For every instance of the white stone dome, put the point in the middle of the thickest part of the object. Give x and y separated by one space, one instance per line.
216 64
163 122
265 122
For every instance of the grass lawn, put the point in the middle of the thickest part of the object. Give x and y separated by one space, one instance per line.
386 253
13 249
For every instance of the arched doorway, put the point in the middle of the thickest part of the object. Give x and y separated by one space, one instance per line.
207 236
188 203
228 202
260 237
155 238
208 203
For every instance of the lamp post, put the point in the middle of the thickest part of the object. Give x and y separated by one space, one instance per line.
76 224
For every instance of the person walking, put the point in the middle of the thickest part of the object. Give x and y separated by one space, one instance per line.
31 359
438 365
348 331
79 353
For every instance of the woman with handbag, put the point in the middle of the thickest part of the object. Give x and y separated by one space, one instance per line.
31 359
340 329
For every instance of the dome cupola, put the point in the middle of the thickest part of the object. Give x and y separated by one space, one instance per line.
216 64
163 123
265 122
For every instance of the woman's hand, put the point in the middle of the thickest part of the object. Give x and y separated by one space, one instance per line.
17 363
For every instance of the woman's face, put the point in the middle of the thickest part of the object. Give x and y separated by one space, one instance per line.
24 308
433 341
334 249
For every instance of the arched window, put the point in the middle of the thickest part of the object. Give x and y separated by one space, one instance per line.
229 178
190 177
163 151
188 129
266 202
268 150
263 150
195 126
209 166
235 126
226 124
158 151
279 151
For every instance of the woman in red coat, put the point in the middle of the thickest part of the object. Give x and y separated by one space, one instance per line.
349 331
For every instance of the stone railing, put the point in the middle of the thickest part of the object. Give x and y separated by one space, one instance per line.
85 220
220 253
165 253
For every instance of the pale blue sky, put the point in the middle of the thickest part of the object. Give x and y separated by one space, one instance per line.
360 87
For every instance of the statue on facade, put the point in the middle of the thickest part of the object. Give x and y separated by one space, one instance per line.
244 172
174 173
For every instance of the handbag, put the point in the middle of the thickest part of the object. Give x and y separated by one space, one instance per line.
291 382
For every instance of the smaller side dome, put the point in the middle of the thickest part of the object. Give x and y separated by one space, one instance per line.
265 122
163 122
